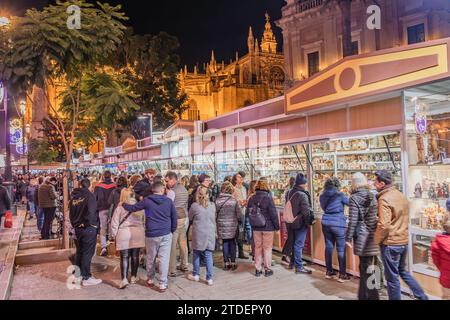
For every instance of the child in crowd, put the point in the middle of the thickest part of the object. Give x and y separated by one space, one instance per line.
440 251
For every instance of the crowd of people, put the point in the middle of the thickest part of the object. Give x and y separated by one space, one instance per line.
170 217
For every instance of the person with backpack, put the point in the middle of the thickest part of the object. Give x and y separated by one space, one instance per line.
102 192
334 226
261 203
229 215
297 212
289 244
128 230
84 219
361 230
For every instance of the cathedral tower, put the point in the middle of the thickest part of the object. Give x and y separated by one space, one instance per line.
268 43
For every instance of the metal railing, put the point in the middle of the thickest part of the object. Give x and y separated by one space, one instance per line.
306 5
113 151
144 143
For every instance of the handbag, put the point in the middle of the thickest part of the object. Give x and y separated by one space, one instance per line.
362 233
256 218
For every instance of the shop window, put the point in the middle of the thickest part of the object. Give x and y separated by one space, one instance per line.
313 63
427 112
416 33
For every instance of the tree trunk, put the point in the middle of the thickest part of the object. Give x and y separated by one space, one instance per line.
345 6
66 241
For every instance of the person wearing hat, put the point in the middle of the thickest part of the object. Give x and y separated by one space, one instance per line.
5 201
143 188
392 234
301 205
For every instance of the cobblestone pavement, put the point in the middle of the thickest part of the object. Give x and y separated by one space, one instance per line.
48 282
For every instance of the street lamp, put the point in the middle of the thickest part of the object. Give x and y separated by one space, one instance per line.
23 112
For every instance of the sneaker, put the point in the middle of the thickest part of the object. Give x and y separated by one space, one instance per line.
173 275
258 273
330 275
185 269
285 261
302 270
193 278
268 273
344 278
104 252
91 282
150 283
134 280
124 284
162 288
226 266
233 266
210 282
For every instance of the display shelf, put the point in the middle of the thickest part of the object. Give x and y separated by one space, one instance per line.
356 152
424 232
425 268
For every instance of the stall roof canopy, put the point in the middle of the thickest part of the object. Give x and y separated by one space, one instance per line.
369 74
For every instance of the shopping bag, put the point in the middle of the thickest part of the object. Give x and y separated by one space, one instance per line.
8 219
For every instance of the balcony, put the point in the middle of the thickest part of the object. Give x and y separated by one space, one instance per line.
144 143
302 6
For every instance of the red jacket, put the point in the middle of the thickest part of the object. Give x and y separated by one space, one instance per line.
440 251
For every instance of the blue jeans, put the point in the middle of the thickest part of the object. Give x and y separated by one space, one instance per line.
299 243
31 208
40 217
229 250
334 236
394 260
208 258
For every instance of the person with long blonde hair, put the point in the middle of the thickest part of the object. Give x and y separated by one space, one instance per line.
202 216
128 230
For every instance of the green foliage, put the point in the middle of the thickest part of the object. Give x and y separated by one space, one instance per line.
42 152
150 65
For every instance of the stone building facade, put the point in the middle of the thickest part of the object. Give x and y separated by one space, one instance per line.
220 88
312 30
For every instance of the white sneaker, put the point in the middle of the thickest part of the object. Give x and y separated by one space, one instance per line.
193 278
162 288
91 282
124 284
150 283
210 282
134 280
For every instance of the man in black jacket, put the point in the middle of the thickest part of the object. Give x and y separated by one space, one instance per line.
84 219
5 201
301 205
102 192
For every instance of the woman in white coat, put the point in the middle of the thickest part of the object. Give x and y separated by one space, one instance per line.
128 229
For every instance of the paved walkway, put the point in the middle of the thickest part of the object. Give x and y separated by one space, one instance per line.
9 241
48 282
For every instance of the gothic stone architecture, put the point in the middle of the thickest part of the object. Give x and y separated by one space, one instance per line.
312 30
220 88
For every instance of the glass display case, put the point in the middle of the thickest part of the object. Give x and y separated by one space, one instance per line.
204 164
230 163
427 113
342 158
278 164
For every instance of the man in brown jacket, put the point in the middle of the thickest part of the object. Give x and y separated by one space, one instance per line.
393 236
47 202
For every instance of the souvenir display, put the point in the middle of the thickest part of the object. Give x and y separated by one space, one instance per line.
433 217
418 190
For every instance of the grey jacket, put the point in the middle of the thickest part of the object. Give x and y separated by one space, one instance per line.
47 196
229 214
203 226
181 200
363 202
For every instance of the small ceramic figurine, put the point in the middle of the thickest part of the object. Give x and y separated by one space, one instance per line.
418 190
440 191
445 189
432 192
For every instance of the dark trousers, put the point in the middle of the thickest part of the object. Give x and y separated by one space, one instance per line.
367 282
86 242
289 244
49 216
334 236
229 250
125 256
394 260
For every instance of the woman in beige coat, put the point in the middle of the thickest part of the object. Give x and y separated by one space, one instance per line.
129 232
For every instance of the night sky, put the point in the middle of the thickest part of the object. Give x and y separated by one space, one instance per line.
200 25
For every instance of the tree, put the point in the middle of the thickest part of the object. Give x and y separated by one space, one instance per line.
39 49
150 65
42 152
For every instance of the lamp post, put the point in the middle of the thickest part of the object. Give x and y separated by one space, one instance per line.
23 111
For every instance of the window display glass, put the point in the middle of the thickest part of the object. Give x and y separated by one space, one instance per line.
342 158
230 163
427 116
204 164
278 164
181 166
